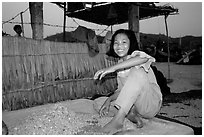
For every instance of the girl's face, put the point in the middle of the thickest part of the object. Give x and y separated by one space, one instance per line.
121 45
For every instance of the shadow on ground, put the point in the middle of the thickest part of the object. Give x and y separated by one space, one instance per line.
179 98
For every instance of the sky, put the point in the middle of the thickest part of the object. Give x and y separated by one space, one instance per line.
187 22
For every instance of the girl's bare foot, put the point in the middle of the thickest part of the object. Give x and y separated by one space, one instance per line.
112 127
116 123
135 118
138 122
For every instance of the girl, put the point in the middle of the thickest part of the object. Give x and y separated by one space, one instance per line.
138 94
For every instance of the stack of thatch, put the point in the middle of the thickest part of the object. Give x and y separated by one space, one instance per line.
37 72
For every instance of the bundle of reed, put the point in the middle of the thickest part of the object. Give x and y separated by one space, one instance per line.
36 72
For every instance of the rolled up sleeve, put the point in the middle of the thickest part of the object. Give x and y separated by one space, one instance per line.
142 54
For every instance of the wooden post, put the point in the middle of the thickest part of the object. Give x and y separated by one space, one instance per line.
22 27
64 26
167 34
133 20
36 12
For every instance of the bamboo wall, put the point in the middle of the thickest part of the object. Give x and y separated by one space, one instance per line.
36 72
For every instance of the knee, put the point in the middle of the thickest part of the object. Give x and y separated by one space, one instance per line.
137 73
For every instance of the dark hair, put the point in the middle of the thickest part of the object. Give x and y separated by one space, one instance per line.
17 27
133 42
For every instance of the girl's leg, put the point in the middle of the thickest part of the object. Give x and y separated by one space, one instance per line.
127 97
134 117
133 88
147 105
149 102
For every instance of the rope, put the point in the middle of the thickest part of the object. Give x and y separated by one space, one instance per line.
14 16
55 83
42 54
104 30
51 25
10 21
75 21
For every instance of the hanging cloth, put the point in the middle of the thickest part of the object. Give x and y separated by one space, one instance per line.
107 40
84 34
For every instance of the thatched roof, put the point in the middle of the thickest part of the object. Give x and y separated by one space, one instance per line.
105 13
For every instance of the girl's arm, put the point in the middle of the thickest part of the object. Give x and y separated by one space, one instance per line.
134 61
106 105
114 96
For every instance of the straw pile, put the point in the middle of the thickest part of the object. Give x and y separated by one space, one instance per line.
79 117
61 120
38 72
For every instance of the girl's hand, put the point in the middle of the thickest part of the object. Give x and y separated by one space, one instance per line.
101 73
104 108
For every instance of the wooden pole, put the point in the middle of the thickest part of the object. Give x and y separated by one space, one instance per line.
36 12
133 20
64 26
22 27
167 34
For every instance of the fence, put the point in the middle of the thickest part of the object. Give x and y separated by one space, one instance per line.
36 72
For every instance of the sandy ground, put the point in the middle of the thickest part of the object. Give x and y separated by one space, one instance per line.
185 78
